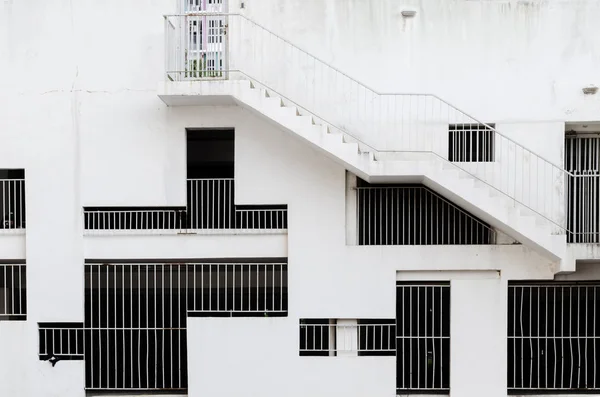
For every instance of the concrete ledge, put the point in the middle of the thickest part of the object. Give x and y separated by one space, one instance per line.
186 246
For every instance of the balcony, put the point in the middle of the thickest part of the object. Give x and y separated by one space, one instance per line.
210 209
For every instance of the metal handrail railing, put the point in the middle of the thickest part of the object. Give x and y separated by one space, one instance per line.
517 172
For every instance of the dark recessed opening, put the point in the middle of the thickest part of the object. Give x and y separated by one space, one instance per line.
210 153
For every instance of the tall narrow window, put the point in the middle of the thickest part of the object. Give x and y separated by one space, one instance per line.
553 332
422 337
471 142
12 199
582 160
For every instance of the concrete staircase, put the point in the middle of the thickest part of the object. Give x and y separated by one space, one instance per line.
444 177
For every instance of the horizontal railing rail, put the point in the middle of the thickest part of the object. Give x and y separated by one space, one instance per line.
380 122
12 204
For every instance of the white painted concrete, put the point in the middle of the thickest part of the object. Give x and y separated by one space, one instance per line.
79 112
499 60
264 357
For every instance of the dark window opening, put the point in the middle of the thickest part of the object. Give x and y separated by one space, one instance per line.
471 143
210 153
553 330
13 292
414 215
376 337
12 199
422 337
136 316
60 341
316 336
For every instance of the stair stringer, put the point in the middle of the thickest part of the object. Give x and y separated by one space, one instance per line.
457 185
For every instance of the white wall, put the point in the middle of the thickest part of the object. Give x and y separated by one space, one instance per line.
498 60
79 112
263 360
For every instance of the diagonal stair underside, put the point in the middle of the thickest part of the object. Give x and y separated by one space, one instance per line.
442 176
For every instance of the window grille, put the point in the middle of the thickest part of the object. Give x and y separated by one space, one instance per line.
12 202
422 337
316 336
376 337
13 292
60 341
553 331
471 143
414 215
582 159
136 315
328 337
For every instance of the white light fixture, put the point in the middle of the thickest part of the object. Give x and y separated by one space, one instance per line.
408 13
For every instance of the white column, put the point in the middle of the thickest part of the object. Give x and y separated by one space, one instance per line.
347 337
351 223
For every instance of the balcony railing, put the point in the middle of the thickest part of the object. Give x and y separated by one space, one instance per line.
12 205
210 209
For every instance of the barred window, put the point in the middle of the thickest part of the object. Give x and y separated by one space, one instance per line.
552 337
422 337
471 142
136 315
12 199
13 297
60 341
332 337
414 215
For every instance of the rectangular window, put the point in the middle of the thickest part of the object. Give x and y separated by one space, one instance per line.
333 337
414 215
136 315
422 337
376 337
60 341
471 143
553 331
317 337
13 297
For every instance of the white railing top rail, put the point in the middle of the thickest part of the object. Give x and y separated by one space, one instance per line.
374 91
503 144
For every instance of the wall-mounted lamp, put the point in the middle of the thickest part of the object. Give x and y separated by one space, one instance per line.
408 13
591 90
242 5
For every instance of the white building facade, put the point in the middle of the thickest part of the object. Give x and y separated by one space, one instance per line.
294 198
